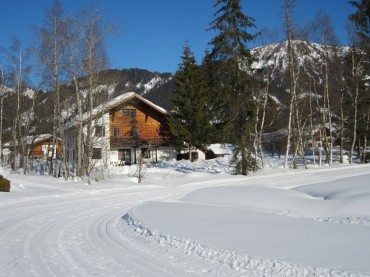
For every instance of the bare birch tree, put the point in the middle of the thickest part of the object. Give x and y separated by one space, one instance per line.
51 53
293 75
17 78
75 57
94 32
322 33
357 61
2 92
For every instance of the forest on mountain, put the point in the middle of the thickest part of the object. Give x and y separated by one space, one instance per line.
303 94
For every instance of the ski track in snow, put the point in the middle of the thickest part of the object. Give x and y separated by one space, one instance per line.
94 234
74 238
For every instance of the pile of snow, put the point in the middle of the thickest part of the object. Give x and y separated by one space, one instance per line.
267 229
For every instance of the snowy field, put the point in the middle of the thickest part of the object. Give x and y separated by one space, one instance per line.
189 219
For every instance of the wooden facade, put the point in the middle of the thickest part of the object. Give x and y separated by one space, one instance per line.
44 148
137 123
39 147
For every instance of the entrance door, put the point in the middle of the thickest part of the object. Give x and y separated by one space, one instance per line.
124 155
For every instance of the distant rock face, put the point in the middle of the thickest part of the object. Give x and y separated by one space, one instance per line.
272 59
275 55
271 63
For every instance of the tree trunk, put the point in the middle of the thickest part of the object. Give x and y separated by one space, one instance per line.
355 104
291 69
341 159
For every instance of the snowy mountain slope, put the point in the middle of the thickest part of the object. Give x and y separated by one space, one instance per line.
311 62
275 54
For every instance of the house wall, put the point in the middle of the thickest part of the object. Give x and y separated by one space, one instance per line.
40 149
163 153
149 123
102 140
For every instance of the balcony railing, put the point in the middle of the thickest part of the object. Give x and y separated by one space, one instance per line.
135 142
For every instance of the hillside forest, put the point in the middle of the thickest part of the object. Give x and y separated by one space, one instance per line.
305 95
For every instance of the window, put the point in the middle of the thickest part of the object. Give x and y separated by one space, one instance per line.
124 155
129 112
133 113
117 132
145 153
96 153
126 112
99 131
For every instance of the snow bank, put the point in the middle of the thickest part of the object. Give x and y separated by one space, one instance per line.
313 230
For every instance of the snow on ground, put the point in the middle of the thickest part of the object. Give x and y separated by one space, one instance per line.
189 219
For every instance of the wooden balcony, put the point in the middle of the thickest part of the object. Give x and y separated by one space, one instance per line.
137 142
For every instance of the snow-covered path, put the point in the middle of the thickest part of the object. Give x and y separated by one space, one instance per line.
74 235
59 229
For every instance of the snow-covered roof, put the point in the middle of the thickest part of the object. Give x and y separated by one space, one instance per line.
31 139
223 149
102 108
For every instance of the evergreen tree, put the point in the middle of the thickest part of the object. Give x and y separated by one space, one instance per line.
188 121
214 101
361 18
233 89
359 76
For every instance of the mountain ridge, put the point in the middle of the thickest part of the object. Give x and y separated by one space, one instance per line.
157 87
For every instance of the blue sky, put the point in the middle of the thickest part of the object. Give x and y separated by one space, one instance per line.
153 32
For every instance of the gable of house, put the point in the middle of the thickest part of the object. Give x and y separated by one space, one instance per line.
137 120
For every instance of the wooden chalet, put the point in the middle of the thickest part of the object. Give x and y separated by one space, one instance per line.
40 146
316 138
127 127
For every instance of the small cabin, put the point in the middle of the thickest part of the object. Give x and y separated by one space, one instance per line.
43 147
40 146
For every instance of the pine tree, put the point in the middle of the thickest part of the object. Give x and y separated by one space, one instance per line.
361 121
188 122
233 90
361 18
